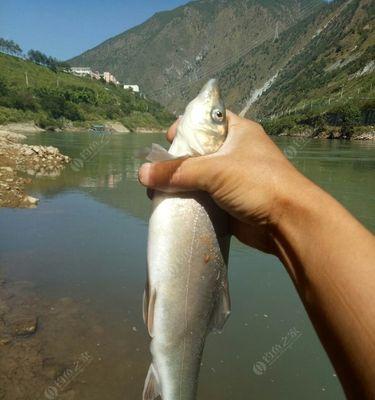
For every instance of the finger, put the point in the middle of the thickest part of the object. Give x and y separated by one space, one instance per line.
176 175
171 133
232 118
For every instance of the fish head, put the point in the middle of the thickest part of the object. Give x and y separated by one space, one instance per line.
203 127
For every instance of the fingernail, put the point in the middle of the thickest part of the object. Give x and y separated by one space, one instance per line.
144 174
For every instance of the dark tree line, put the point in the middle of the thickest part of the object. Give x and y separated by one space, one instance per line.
40 58
10 47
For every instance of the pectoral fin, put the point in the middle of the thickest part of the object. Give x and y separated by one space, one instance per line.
222 309
149 297
159 153
152 386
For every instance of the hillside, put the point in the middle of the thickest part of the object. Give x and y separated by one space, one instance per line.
295 61
332 63
30 92
170 51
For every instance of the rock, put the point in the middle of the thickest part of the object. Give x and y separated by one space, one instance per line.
8 169
28 151
5 339
23 127
366 136
14 137
116 127
29 200
24 326
147 130
52 150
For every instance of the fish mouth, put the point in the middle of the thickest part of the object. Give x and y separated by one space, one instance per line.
211 89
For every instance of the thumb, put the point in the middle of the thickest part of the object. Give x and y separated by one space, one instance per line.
175 175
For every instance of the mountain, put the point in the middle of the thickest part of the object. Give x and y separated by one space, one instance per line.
273 58
168 52
331 61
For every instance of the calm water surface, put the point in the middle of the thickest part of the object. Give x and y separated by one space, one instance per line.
87 240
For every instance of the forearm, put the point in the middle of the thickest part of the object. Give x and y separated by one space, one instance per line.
331 259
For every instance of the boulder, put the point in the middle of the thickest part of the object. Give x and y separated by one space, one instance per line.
117 127
24 326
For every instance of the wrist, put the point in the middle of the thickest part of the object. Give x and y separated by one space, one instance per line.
298 211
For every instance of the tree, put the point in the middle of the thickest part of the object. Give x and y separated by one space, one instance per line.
37 57
10 47
51 62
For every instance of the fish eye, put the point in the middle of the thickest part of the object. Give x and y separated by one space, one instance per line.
217 115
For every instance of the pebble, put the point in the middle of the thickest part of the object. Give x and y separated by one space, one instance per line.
4 340
24 327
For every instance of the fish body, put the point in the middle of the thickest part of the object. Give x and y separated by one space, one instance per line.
186 293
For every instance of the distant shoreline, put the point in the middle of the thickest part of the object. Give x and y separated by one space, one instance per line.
111 126
118 128
330 135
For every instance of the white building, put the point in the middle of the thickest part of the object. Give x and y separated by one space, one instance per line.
95 75
109 78
81 71
134 88
85 71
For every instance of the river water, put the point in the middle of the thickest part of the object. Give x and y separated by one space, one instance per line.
87 241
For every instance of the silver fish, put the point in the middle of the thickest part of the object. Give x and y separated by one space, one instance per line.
186 294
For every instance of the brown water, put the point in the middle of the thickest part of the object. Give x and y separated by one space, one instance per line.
87 241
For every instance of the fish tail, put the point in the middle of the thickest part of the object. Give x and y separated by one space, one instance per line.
152 388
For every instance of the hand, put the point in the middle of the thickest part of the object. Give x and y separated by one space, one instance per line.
246 177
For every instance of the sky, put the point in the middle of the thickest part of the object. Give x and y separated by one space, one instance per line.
64 29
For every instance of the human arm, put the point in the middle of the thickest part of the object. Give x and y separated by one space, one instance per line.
329 255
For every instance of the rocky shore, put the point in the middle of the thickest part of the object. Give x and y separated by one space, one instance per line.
332 133
33 364
19 163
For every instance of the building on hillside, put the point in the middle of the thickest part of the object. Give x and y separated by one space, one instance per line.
95 75
81 71
134 88
85 71
109 78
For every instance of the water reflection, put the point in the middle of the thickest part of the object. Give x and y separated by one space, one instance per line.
345 169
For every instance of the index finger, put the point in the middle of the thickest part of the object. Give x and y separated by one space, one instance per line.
171 133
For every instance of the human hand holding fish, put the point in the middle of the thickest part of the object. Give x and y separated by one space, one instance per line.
240 177
276 209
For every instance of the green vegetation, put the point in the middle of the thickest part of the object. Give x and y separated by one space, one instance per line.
50 62
54 98
345 118
10 47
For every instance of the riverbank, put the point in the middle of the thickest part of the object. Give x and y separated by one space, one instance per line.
363 133
19 163
33 363
111 126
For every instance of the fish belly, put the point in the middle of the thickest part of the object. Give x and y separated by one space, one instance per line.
187 291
